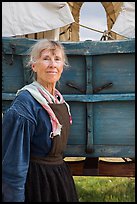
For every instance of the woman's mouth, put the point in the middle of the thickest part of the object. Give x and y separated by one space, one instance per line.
52 72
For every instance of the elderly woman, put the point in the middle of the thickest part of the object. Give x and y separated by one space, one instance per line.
35 133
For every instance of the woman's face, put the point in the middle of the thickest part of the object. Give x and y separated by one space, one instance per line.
49 66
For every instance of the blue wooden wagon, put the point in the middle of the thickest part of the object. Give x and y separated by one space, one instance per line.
99 85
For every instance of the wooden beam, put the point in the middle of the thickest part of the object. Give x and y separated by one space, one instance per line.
95 167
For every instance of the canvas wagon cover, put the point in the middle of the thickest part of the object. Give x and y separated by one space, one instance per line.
20 18
125 22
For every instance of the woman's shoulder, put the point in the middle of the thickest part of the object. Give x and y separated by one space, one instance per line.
24 105
24 94
24 98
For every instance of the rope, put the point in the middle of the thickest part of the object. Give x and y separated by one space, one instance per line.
105 33
89 28
119 34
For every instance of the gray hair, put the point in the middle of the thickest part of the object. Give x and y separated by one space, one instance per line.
44 44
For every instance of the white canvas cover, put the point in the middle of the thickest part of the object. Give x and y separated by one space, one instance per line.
20 18
125 22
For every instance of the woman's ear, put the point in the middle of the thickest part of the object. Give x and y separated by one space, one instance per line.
33 67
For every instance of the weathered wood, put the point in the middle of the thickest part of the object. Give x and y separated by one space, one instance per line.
87 98
110 150
97 167
75 48
100 97
104 121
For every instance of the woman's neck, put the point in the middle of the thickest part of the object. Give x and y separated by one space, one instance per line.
50 87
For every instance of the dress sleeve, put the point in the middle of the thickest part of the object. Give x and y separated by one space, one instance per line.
16 136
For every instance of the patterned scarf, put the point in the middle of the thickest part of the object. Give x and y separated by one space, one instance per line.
44 97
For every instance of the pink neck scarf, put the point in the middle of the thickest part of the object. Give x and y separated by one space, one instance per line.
44 98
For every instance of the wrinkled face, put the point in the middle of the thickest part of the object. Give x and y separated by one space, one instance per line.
49 66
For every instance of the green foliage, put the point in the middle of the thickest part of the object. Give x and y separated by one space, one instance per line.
105 189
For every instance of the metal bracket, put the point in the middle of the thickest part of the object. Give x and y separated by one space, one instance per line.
10 62
72 85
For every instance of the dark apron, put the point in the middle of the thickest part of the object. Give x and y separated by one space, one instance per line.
49 178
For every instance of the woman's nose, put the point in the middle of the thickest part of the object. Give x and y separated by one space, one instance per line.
53 62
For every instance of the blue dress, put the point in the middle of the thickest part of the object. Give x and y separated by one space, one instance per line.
28 151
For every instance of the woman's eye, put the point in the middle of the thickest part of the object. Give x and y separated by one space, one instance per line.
57 59
46 59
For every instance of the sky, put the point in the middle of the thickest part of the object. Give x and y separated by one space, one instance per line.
93 15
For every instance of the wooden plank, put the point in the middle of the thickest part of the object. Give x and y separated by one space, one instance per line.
90 131
88 98
114 169
100 97
74 48
89 106
126 169
110 150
